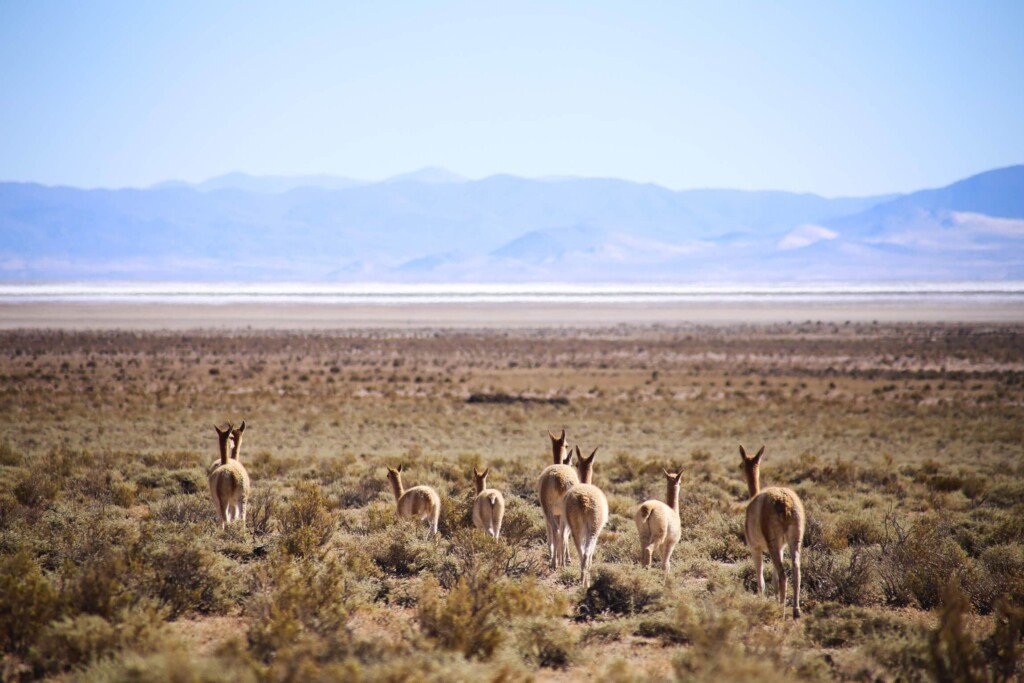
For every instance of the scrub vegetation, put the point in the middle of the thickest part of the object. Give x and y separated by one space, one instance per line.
904 442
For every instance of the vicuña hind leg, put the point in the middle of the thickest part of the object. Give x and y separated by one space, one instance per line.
796 582
780 573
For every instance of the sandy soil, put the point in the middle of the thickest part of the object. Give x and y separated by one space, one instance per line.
130 316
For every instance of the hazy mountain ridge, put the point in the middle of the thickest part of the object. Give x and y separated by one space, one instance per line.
431 225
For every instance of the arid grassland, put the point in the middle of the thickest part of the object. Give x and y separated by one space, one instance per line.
905 443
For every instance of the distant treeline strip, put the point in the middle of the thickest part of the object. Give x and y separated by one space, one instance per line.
508 398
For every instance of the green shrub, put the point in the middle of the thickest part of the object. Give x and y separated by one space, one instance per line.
473 617
181 508
36 487
8 456
401 550
302 606
545 642
953 655
621 590
1002 577
860 529
725 643
456 514
916 563
27 602
1002 648
185 577
103 584
306 523
74 642
846 577
832 626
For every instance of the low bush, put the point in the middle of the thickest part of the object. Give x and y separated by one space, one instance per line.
73 642
831 626
621 590
545 642
27 602
302 606
180 508
185 576
845 577
306 522
915 563
473 617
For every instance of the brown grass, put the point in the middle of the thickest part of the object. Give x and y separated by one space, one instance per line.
903 441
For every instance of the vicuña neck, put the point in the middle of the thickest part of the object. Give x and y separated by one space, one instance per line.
753 481
672 496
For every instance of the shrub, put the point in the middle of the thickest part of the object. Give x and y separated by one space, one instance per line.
1002 649
830 626
365 490
915 563
953 654
859 529
847 577
307 523
476 552
621 590
401 550
456 513
8 456
180 508
545 642
304 607
725 644
103 584
522 523
185 577
86 638
473 618
27 602
35 488
1002 577
260 512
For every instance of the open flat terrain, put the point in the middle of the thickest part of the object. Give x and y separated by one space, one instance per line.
904 440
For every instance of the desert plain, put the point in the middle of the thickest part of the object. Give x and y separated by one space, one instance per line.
901 430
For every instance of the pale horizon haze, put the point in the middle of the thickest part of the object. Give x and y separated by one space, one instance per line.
839 99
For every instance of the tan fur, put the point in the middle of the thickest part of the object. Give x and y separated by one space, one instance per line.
229 480
560 454
774 519
552 486
489 505
658 526
418 502
585 512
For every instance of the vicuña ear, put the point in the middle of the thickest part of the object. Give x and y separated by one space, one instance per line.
679 477
399 470
242 427
757 458
592 454
486 472
665 472
743 453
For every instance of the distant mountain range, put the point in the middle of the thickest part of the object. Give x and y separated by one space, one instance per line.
435 226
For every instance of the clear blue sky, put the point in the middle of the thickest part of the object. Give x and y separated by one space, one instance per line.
838 98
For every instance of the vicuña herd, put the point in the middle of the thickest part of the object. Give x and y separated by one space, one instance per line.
572 505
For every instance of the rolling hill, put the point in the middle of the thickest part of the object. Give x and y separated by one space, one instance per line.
432 225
